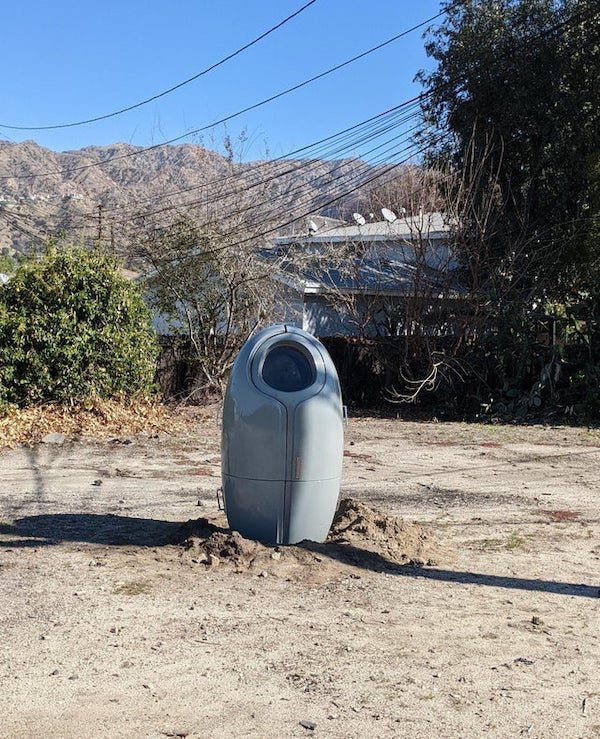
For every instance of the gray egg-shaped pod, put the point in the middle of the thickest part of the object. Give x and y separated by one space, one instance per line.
282 439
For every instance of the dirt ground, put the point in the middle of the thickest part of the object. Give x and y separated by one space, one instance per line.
118 620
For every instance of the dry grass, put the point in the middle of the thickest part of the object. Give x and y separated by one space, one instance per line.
98 419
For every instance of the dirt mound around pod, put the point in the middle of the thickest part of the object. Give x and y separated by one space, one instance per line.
363 530
211 544
360 537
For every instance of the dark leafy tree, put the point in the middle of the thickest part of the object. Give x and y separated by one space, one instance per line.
520 81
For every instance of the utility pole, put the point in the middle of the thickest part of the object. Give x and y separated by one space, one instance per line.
99 222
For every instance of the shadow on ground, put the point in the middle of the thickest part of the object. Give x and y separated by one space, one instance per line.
370 560
108 529
113 530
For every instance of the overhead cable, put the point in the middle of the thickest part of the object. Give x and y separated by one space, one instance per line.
254 106
164 92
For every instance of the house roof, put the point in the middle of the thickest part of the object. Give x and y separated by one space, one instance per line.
431 226
385 265
368 274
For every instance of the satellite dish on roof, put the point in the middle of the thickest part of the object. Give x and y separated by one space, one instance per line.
359 219
389 215
312 227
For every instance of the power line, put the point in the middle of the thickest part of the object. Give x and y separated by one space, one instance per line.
290 169
247 109
344 173
333 146
342 168
327 203
16 220
548 31
556 27
170 89
346 176
313 150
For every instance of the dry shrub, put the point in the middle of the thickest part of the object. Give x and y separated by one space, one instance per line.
97 419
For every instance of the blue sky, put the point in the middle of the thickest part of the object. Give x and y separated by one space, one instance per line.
65 61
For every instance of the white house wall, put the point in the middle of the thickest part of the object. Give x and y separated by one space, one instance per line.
288 307
322 318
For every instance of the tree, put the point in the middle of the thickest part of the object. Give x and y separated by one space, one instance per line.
8 263
210 290
72 328
206 272
520 80
511 116
411 190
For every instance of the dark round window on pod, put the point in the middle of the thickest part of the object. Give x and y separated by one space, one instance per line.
288 369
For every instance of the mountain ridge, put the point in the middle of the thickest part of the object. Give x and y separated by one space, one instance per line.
46 194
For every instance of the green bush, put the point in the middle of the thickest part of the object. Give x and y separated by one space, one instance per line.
8 264
72 328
